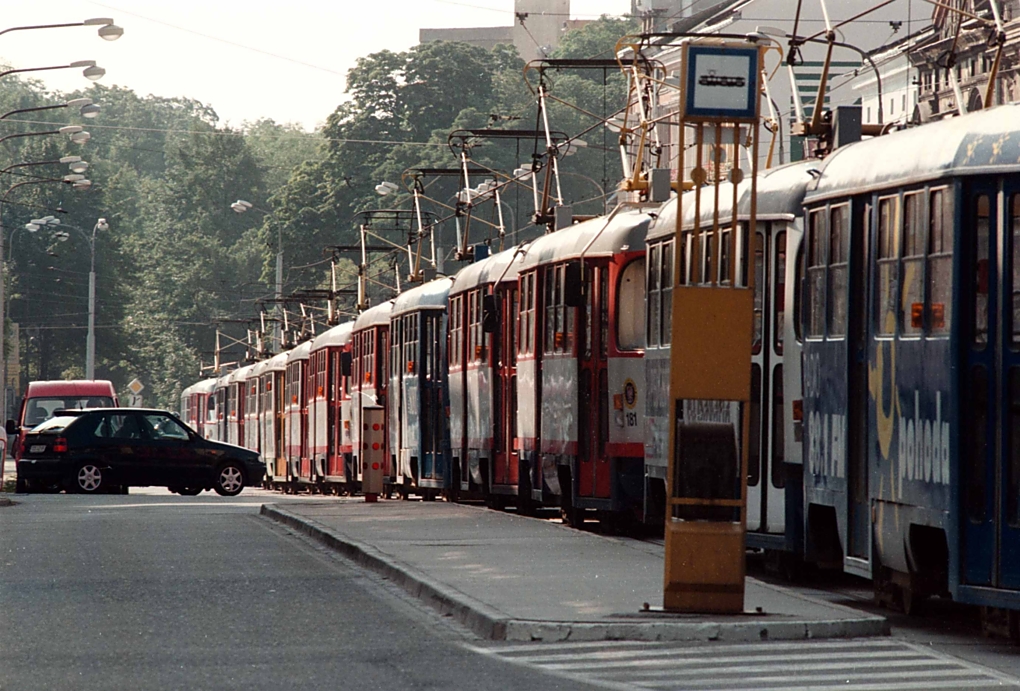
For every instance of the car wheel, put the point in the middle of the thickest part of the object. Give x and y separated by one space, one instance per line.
88 478
189 491
229 480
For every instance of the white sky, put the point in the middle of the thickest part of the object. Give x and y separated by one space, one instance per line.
247 59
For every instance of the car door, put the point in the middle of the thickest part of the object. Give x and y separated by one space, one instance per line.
180 462
120 444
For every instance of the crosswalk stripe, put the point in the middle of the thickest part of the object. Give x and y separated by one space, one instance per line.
701 651
841 679
847 665
702 662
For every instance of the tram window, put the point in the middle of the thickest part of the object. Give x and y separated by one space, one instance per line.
754 452
550 308
798 302
654 299
759 291
667 293
815 302
779 292
453 350
981 271
912 265
589 313
527 319
1015 273
839 240
940 261
977 451
778 429
567 313
886 302
629 318
603 311
1013 500
724 238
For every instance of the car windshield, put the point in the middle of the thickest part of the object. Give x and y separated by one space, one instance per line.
54 425
39 410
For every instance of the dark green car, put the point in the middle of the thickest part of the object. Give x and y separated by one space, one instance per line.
106 449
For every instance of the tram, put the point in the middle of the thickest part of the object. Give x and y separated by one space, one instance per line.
329 422
580 378
373 383
419 364
911 329
295 408
482 384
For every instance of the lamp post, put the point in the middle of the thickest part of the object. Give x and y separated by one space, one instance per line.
86 108
92 71
241 206
101 224
78 184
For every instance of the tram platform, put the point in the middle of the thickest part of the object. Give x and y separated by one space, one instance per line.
509 577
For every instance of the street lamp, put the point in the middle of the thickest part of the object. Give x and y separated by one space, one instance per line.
63 236
108 31
74 163
91 72
241 206
86 108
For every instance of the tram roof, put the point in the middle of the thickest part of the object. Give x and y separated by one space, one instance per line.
428 296
204 386
275 363
339 335
983 142
625 230
780 195
299 352
241 373
374 316
500 267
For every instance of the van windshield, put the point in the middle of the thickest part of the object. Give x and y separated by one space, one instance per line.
39 410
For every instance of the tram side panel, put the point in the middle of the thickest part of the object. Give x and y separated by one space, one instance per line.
528 383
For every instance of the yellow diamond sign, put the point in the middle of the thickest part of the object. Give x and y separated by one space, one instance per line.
136 387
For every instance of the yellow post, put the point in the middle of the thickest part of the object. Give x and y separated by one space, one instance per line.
710 378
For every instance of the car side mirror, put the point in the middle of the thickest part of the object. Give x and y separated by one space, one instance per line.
490 314
345 363
573 290
11 427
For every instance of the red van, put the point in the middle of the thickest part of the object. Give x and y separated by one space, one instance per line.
43 398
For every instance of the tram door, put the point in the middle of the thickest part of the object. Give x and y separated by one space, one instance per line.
859 515
432 416
593 410
504 358
990 387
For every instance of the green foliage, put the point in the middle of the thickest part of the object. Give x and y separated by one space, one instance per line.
177 264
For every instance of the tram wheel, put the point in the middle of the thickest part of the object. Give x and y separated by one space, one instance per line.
572 516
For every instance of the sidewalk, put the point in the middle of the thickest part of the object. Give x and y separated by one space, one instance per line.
508 577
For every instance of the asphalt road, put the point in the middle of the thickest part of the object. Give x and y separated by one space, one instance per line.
156 591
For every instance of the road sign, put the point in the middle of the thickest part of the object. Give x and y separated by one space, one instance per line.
136 386
134 401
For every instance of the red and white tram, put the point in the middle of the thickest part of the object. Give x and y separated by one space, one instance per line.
198 407
271 374
329 426
580 376
299 469
482 378
370 384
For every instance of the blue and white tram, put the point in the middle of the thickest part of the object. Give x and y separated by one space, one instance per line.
774 464
911 317
418 340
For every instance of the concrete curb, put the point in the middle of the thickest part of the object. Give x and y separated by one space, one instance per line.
492 624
